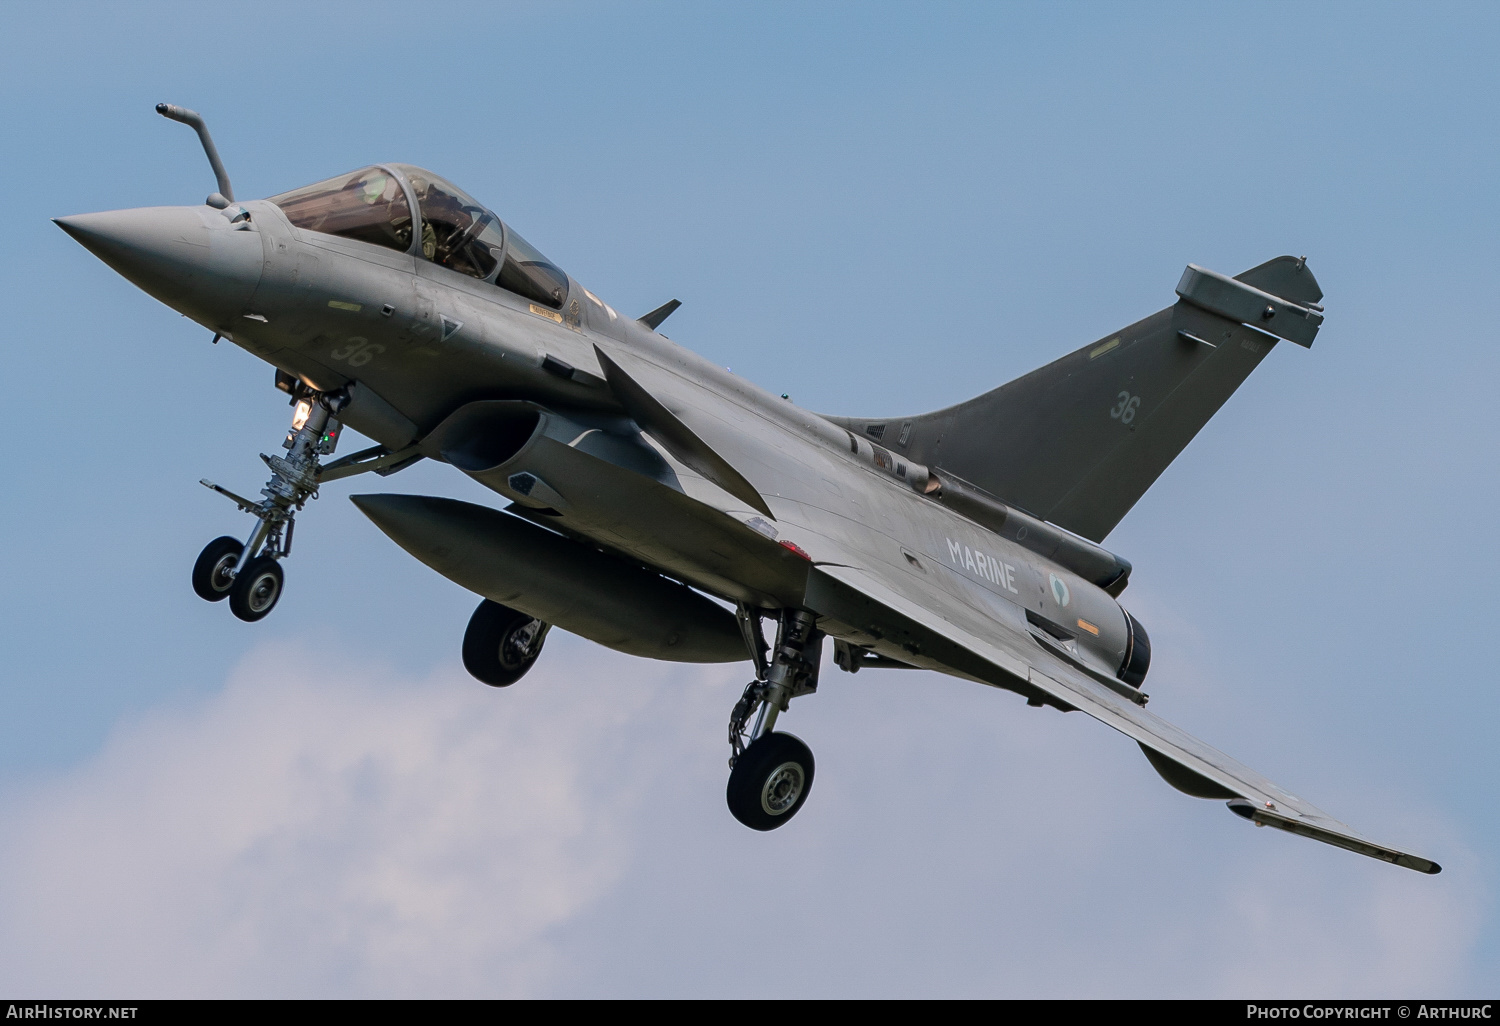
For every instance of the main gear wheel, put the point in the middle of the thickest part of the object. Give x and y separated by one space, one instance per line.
770 781
502 643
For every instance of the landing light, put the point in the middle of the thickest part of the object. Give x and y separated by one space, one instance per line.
300 414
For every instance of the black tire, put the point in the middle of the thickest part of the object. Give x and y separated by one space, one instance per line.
770 781
256 589
213 574
501 644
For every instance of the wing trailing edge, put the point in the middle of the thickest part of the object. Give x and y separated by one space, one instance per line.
941 632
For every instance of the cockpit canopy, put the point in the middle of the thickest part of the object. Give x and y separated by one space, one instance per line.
375 206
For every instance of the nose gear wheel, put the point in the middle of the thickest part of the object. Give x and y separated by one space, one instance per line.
213 574
256 589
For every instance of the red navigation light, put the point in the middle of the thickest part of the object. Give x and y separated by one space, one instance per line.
798 549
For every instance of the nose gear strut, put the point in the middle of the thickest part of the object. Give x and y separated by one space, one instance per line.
771 774
249 575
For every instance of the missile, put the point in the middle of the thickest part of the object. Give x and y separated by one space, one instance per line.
602 597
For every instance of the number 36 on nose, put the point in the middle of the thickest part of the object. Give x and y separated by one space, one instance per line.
1125 407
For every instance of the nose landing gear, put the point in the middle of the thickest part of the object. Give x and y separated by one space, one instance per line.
771 775
249 574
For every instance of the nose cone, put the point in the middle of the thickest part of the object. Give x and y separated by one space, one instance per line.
190 258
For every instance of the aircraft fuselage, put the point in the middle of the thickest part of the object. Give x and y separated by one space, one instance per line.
414 342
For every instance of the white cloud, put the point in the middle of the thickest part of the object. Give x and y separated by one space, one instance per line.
305 834
354 833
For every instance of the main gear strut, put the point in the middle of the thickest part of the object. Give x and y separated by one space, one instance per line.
771 774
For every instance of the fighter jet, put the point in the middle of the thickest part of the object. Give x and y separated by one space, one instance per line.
659 505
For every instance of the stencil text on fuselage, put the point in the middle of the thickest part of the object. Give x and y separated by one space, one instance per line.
982 564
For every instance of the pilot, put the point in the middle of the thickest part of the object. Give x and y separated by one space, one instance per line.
382 194
443 218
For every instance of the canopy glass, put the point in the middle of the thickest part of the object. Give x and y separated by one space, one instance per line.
456 231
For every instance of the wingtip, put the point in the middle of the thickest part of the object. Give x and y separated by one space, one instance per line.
1349 841
1419 864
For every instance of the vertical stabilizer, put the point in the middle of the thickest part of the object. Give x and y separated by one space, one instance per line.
1079 441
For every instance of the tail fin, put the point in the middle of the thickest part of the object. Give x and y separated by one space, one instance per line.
1079 441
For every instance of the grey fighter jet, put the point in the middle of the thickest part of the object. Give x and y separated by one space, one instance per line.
659 505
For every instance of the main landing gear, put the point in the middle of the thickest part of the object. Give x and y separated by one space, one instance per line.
771 774
249 573
502 643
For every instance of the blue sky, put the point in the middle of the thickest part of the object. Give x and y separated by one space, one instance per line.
880 209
